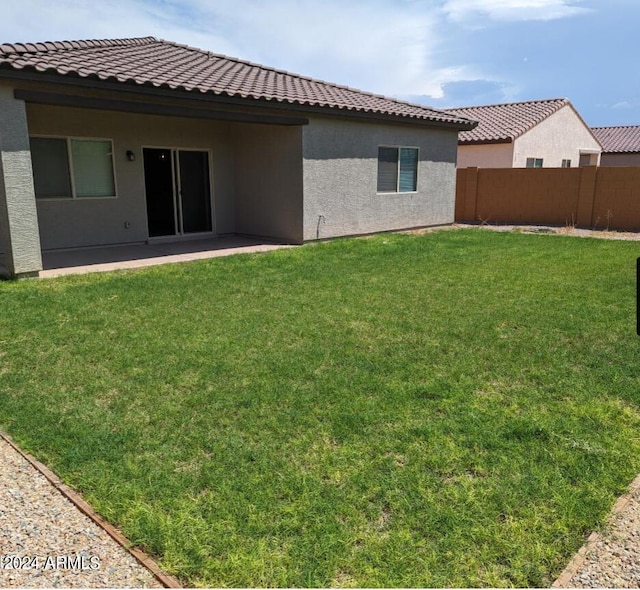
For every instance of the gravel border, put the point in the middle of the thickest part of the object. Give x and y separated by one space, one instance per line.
50 537
557 230
610 559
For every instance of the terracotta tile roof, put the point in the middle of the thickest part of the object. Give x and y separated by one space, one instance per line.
503 123
625 139
163 64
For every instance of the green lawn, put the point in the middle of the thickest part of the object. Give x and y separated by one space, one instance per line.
459 408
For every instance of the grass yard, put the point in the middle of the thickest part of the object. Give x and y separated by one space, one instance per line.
459 408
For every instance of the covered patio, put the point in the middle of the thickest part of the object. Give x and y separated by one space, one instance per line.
126 141
107 258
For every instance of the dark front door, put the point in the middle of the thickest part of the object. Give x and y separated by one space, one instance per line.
178 190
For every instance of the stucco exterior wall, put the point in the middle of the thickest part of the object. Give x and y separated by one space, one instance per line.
495 155
268 169
340 178
561 136
19 239
620 160
293 183
95 221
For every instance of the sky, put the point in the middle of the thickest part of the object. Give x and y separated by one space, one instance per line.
441 53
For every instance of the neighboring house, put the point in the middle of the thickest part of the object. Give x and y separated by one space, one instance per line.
620 145
131 140
534 134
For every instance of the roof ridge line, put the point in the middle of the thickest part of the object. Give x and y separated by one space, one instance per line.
45 46
507 104
296 75
616 127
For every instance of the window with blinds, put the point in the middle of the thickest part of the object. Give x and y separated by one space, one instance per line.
50 163
66 168
397 169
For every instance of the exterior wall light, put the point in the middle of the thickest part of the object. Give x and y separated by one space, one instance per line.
131 156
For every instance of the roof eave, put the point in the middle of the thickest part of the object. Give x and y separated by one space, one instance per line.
95 83
485 141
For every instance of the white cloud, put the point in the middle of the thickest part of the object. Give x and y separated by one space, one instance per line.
625 105
511 10
374 45
369 44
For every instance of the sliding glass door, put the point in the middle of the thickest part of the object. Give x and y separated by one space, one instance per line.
178 191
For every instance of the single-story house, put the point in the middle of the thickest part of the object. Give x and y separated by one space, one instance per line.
132 140
620 145
534 134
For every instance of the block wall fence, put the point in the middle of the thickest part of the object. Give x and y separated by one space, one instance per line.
597 197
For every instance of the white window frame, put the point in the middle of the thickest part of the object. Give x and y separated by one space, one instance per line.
534 162
398 147
566 163
72 180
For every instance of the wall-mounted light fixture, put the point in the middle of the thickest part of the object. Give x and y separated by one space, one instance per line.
131 156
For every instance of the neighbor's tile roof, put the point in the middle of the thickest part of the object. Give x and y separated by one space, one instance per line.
503 123
153 62
624 139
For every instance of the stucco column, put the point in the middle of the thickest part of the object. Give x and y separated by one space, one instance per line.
19 232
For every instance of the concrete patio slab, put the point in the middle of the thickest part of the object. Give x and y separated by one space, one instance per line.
108 258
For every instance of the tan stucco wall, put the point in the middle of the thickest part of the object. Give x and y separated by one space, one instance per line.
498 155
86 222
561 136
